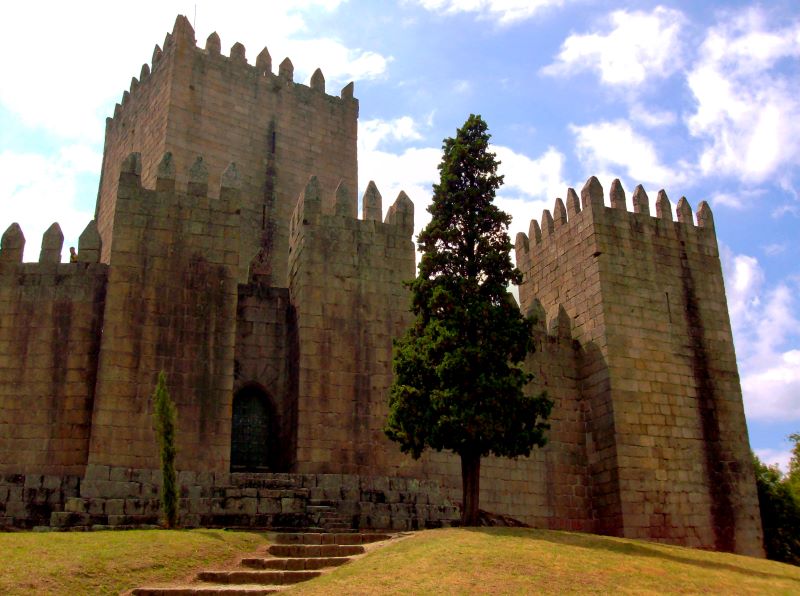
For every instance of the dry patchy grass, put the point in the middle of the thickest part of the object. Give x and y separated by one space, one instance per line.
523 561
111 562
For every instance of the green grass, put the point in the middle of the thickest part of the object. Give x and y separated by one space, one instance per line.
111 562
454 561
522 561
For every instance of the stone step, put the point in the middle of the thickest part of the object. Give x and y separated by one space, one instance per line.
338 527
321 503
257 577
206 590
315 550
329 538
293 563
320 509
296 529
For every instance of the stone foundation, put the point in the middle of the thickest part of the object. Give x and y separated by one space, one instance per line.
29 500
121 498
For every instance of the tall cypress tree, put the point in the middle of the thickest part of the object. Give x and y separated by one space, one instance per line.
165 418
458 382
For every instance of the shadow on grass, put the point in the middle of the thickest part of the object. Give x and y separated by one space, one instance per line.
625 547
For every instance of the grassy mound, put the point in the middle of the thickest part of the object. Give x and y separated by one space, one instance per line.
524 561
111 562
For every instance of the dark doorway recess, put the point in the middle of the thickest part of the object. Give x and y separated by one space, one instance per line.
253 431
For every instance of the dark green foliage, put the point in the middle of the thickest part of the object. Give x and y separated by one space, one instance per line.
458 383
780 511
793 478
165 416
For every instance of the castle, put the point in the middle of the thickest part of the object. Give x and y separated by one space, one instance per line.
247 275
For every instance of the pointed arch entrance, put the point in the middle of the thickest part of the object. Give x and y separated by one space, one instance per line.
253 431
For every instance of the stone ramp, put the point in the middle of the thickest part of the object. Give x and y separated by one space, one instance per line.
290 558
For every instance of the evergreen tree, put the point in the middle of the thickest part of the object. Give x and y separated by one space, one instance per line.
458 384
165 415
793 476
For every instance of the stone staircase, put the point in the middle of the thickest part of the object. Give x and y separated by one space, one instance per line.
290 559
324 514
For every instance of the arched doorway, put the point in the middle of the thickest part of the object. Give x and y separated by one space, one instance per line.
252 431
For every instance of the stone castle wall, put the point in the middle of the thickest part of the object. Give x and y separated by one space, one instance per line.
551 488
170 305
51 316
345 281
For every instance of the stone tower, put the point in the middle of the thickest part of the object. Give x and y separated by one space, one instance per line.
195 101
666 441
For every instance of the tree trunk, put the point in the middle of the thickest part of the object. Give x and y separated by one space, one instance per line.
470 488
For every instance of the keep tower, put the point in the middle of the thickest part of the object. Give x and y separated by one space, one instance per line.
198 102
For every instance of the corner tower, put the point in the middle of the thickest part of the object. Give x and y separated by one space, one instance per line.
191 101
667 444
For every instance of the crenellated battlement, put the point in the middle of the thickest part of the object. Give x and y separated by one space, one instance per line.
12 245
314 207
166 195
571 218
183 37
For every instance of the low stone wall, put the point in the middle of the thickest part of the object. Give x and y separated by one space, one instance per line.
29 500
111 497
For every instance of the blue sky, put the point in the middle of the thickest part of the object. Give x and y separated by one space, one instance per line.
697 98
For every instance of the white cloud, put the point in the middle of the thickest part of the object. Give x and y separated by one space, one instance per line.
766 332
747 108
652 118
36 190
372 133
529 184
541 178
615 145
743 198
639 46
462 87
503 12
775 389
775 457
68 83
338 63
727 199
412 170
774 249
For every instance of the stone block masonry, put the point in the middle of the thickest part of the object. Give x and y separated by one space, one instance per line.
247 275
194 101
51 317
346 279
170 305
666 440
